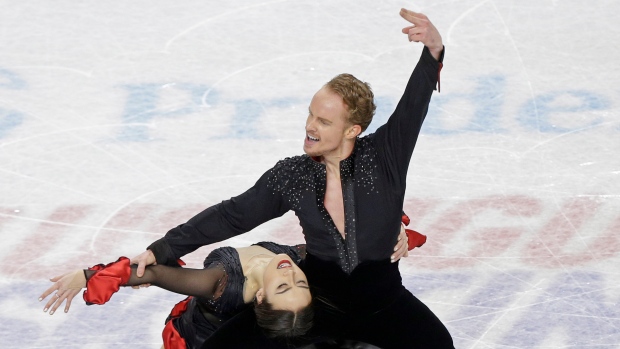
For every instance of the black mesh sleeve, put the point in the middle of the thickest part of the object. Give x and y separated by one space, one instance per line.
190 282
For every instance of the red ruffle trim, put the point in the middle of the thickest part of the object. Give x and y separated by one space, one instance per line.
415 239
170 335
106 281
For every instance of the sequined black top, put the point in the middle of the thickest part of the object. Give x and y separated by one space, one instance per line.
373 183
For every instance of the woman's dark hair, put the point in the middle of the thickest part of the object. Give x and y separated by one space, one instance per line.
283 323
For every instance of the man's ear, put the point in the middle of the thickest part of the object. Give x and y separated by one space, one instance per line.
260 295
353 131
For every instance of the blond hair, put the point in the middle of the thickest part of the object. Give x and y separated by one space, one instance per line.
357 96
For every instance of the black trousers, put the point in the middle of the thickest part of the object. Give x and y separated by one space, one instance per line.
370 305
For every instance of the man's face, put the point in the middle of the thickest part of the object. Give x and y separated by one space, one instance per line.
326 125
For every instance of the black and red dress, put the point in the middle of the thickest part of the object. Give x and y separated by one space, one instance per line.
215 292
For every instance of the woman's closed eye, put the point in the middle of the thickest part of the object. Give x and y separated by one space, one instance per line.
283 288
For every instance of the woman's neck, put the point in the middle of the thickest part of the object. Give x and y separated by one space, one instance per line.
254 260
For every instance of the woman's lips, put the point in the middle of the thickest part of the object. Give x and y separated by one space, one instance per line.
284 264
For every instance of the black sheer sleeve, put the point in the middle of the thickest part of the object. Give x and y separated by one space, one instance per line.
191 282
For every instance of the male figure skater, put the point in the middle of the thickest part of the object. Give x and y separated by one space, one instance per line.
347 192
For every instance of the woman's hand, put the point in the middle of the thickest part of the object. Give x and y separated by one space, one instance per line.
401 249
66 287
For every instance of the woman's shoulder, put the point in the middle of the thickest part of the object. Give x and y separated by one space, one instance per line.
227 256
230 288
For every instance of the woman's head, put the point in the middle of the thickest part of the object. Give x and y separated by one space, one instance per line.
283 305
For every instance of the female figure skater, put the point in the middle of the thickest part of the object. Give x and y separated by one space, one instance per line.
265 274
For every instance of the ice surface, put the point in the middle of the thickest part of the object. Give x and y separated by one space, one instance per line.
120 120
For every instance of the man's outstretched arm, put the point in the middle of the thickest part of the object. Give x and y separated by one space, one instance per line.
227 219
397 138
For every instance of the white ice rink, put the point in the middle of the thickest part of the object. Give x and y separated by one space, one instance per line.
122 119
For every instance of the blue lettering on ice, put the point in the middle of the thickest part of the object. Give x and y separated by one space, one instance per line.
142 107
483 113
139 110
535 114
247 116
245 119
10 119
486 98
10 80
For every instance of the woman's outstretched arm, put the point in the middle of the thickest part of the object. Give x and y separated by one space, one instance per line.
103 281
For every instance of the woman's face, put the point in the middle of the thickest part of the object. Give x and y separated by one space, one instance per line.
285 285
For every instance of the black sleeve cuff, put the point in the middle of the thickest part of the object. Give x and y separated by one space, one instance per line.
443 51
426 53
163 253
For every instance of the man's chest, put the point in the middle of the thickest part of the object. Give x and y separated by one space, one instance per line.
334 203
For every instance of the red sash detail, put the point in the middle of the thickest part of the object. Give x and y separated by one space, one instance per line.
106 281
172 338
405 219
170 335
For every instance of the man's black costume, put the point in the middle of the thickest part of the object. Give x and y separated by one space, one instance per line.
358 292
